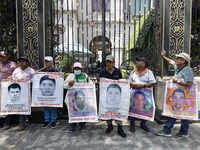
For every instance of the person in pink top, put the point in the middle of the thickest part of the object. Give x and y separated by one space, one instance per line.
23 72
6 69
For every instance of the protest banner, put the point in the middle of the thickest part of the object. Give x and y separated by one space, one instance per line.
15 97
142 104
81 102
47 89
181 102
114 99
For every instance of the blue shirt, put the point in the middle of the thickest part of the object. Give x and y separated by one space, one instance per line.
104 73
186 73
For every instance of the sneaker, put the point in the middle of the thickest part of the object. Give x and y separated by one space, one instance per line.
109 129
82 128
164 133
132 128
21 127
70 130
46 124
53 125
145 128
181 135
6 127
120 131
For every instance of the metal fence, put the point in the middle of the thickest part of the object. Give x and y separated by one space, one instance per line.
89 30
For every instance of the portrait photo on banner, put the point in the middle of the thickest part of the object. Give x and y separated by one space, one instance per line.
114 99
181 101
142 102
81 102
15 97
47 89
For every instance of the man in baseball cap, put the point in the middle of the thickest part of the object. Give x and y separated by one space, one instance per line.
182 71
50 113
6 69
111 72
140 78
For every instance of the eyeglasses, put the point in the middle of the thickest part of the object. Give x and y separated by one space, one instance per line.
178 58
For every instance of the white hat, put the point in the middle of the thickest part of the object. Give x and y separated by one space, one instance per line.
49 58
184 56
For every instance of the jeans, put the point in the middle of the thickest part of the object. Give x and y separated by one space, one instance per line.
73 125
170 123
142 123
7 120
50 116
22 120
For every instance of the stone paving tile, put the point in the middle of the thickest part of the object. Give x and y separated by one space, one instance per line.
34 137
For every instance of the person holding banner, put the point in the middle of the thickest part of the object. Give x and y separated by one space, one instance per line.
23 72
140 78
110 72
6 69
79 77
182 71
50 113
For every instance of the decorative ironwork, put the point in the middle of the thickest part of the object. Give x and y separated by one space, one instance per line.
158 38
176 29
30 34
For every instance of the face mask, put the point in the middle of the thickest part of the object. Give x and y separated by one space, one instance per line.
77 72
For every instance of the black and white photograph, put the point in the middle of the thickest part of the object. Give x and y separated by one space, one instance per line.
15 97
47 89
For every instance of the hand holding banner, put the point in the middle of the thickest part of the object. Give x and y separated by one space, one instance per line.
47 89
114 99
181 102
81 101
15 97
142 104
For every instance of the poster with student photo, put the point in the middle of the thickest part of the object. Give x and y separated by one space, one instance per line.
142 104
81 102
15 97
114 99
181 102
47 89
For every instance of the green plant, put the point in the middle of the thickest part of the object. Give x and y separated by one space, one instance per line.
66 63
8 38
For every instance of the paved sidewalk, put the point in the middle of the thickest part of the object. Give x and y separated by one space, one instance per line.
34 137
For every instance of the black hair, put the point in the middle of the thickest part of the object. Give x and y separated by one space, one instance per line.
14 86
46 77
114 86
186 62
179 90
139 92
79 92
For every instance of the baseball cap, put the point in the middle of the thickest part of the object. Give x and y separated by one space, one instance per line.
110 57
185 56
23 58
77 64
49 58
3 53
143 59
